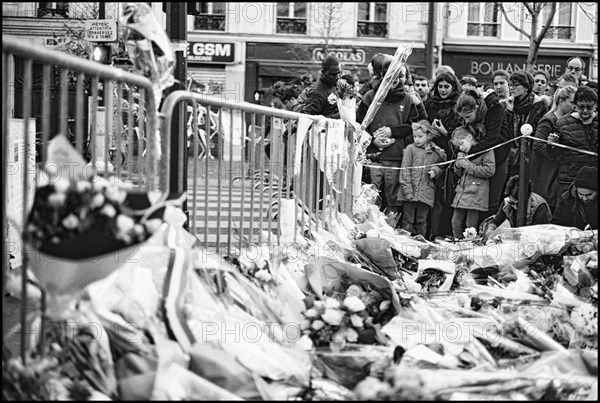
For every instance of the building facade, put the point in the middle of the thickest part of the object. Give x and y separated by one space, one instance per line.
240 49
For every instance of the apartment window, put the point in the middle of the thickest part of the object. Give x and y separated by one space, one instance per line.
483 19
372 19
291 18
562 23
208 16
53 9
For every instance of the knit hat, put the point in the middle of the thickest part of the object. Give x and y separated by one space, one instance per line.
330 62
587 178
522 77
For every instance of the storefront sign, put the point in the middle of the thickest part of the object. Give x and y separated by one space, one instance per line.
483 65
352 56
211 52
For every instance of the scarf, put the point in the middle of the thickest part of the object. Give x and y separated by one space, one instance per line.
393 95
522 109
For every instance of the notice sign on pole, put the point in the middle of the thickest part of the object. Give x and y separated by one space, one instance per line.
101 30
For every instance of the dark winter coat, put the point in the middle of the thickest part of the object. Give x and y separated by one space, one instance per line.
571 212
543 169
398 116
415 184
445 112
473 188
537 213
314 100
575 134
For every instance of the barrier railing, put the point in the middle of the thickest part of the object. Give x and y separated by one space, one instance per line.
118 139
259 161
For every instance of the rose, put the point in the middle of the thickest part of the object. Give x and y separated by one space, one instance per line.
57 199
354 291
97 200
333 316
115 193
332 303
83 186
108 210
71 221
317 325
357 321
263 275
354 304
311 313
332 98
124 223
62 185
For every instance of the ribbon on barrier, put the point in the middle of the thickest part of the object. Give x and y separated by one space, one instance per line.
484 151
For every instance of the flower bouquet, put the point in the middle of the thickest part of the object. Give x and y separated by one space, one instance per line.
80 229
345 97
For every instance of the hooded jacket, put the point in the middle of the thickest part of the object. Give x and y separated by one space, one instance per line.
571 212
473 188
415 184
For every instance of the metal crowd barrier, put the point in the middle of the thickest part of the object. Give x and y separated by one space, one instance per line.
65 87
239 177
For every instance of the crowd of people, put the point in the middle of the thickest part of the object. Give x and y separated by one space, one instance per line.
443 153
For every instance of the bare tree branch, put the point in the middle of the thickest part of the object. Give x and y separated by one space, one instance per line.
516 28
546 25
592 18
529 8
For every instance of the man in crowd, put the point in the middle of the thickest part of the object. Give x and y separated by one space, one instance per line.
314 99
421 85
578 206
575 66
540 82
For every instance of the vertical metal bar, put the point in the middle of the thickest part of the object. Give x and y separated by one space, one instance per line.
6 58
142 140
270 185
262 175
242 174
130 134
118 130
313 204
195 165
64 101
280 152
46 102
301 185
523 183
296 187
319 193
338 186
108 111
26 172
229 235
219 170
290 161
310 190
79 114
251 170
208 141
93 119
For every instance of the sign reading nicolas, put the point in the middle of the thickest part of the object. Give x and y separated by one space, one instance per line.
211 52
344 55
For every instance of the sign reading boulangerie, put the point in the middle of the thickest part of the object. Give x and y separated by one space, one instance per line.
212 52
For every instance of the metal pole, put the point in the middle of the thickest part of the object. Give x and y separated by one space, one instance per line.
177 31
430 41
523 182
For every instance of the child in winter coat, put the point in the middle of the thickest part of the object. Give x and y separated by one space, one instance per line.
417 188
472 190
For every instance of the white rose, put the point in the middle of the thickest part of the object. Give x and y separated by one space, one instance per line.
357 321
354 291
333 316
354 304
108 210
56 199
305 343
115 193
319 305
83 186
317 325
62 185
97 200
153 224
100 184
305 324
124 223
263 275
311 313
70 222
332 303
332 98
384 305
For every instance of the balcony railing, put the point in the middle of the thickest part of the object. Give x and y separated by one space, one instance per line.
368 28
209 22
560 33
291 25
53 12
482 29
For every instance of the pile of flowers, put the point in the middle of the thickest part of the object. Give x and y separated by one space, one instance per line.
63 211
351 316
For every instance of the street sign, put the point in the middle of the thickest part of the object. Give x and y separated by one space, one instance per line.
101 30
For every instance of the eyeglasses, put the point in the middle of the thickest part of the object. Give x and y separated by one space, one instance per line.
573 68
589 107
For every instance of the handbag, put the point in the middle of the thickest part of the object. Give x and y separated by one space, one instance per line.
448 182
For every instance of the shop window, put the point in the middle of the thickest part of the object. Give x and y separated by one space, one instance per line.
208 16
372 19
291 18
53 9
562 23
483 19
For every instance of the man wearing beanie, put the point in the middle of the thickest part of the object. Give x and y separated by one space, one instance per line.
578 206
315 99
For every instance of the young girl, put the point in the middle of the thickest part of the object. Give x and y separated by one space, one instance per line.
472 190
417 188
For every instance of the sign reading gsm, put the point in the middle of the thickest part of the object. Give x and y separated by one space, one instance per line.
211 52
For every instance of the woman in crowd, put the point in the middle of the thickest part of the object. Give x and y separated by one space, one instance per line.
537 212
501 87
525 110
544 170
441 113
